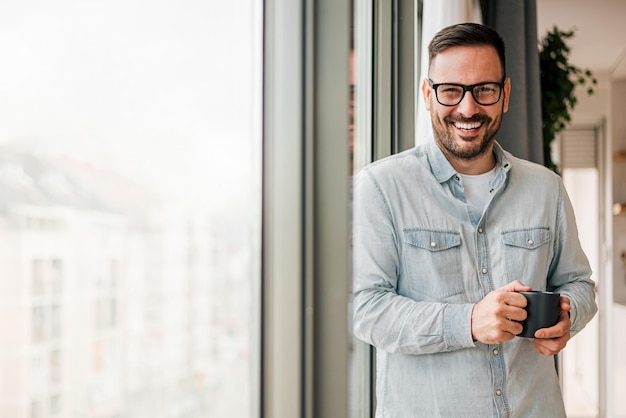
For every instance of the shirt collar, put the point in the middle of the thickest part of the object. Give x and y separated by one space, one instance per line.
443 170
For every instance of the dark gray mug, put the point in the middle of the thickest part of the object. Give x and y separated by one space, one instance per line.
542 310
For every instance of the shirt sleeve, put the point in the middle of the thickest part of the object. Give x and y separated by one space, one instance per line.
382 317
570 273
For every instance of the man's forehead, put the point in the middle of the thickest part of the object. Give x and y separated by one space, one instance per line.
459 60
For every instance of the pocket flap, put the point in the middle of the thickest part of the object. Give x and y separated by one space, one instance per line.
527 238
432 240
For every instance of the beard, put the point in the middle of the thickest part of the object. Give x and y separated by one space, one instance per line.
472 147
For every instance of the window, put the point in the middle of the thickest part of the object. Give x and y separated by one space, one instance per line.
130 175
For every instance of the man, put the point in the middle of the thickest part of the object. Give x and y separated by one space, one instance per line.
445 235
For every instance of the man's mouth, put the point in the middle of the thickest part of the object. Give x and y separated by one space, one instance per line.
467 126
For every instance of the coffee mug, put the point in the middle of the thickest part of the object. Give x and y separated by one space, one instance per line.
543 309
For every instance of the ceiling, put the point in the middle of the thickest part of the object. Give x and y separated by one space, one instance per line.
599 42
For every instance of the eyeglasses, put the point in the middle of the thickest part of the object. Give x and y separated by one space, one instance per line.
451 94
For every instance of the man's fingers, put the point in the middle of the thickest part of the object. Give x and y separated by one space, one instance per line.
560 329
515 286
550 347
513 327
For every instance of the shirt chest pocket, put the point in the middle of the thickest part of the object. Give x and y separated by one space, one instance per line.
433 263
527 255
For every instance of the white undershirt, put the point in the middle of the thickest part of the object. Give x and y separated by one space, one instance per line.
477 188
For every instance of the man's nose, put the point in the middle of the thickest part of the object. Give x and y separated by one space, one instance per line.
468 106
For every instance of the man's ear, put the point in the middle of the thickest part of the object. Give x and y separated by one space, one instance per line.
426 92
507 94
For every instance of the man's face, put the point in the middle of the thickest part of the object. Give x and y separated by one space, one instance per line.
466 131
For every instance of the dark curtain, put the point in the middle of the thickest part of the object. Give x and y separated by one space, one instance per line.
516 21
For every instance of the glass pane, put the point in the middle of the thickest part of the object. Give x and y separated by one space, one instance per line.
130 208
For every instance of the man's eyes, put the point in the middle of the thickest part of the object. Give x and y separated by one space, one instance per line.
486 89
451 89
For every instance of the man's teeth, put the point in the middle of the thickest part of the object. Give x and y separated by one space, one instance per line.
467 126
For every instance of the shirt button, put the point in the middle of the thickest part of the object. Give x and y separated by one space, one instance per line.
480 230
484 271
496 351
531 242
498 392
433 244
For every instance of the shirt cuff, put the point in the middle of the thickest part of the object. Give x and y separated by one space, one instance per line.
457 326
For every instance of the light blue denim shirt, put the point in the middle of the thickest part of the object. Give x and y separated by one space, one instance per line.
423 257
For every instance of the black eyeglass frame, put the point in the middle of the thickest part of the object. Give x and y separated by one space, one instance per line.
466 89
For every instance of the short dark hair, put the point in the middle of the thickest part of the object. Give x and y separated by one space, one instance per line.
466 34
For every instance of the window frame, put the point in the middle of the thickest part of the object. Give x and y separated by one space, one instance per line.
387 61
306 187
306 284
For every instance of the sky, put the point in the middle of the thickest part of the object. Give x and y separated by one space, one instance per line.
168 90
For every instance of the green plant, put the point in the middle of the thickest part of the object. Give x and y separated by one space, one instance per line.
559 80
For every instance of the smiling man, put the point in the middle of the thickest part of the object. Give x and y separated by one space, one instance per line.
446 234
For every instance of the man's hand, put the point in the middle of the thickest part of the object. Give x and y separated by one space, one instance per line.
497 317
550 341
